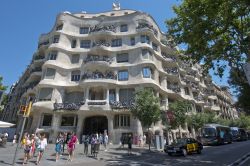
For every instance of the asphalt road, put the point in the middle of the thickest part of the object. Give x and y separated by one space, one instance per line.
211 156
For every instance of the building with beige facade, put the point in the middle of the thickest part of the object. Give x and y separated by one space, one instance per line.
86 70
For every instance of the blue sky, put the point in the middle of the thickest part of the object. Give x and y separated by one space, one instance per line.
22 22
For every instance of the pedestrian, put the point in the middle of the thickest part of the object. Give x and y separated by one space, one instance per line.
93 142
140 140
86 144
105 141
14 140
64 141
58 148
41 148
130 141
27 148
33 148
71 146
144 140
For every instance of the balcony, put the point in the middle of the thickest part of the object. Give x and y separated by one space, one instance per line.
37 69
97 58
198 98
142 26
43 43
101 43
102 28
174 87
39 57
96 102
173 70
121 105
99 75
68 106
167 57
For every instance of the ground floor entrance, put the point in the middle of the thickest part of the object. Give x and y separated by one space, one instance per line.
95 124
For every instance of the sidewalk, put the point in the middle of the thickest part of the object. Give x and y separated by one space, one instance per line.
103 158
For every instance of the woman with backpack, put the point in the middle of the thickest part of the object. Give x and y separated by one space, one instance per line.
59 143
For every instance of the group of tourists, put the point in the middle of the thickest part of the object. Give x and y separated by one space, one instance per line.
31 144
95 140
37 143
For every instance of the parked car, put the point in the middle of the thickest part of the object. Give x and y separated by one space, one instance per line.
184 146
239 134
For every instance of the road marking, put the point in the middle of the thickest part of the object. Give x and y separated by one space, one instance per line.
241 160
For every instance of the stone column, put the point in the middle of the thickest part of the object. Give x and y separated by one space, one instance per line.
107 96
55 127
111 128
79 127
117 94
86 94
164 82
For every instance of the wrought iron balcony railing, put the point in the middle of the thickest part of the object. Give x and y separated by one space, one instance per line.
68 106
96 58
103 28
147 26
173 70
121 105
99 75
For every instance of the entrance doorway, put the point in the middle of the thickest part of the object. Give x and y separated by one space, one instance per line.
95 124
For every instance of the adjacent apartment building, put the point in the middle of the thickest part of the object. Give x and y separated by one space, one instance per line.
86 70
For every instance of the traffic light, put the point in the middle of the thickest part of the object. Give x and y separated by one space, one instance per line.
23 109
28 108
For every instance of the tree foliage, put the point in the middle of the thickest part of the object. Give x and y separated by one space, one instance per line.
2 87
146 107
242 89
213 31
180 110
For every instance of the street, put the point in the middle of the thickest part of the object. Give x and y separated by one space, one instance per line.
215 156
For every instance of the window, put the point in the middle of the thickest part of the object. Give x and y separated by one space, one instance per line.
146 72
45 94
112 96
84 30
85 43
50 73
73 43
53 55
186 89
47 119
155 47
59 27
74 97
146 54
75 58
122 121
145 39
56 39
75 75
68 121
122 57
116 42
132 41
123 75
126 96
124 28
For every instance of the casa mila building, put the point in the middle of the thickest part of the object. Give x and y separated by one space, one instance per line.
86 70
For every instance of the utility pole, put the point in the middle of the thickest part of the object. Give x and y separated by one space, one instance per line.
26 110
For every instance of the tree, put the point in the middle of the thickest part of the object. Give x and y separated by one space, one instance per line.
2 87
242 89
213 31
179 109
146 108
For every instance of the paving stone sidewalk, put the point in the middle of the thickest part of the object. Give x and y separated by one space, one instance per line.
103 157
